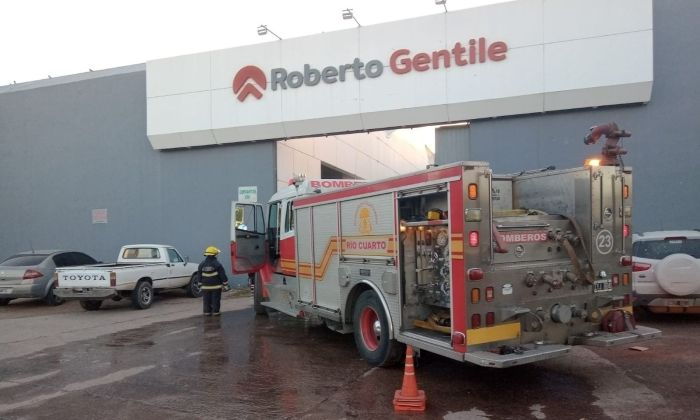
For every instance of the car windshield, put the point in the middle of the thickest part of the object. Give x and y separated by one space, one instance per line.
23 260
662 248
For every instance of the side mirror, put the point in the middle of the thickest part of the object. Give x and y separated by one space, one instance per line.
187 259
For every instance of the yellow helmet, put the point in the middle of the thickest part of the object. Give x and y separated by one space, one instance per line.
211 250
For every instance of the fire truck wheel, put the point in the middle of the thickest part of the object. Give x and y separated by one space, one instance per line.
258 296
372 332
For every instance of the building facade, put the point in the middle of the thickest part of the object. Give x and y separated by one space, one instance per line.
156 152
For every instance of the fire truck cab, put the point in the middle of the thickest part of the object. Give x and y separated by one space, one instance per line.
497 270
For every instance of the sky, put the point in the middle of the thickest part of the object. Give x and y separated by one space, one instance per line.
39 38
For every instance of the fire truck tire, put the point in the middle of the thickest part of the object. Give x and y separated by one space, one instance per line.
371 328
258 296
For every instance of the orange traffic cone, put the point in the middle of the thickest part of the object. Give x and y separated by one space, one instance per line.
409 397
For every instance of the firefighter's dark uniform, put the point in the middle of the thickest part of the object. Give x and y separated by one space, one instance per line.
213 277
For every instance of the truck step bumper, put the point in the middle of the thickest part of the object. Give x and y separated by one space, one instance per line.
85 294
530 353
606 339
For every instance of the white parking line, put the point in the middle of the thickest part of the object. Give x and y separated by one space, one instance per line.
77 386
180 331
21 381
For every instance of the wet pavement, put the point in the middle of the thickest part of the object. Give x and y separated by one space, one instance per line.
242 366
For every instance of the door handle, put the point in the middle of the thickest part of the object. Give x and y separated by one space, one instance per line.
257 246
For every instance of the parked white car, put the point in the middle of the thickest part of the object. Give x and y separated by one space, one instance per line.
666 271
139 271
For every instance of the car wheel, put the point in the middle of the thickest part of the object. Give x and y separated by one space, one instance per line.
258 296
5 301
91 305
371 328
194 287
142 296
51 299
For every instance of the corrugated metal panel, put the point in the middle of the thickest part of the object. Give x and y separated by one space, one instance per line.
451 144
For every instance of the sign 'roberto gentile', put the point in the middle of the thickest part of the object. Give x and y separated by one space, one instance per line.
251 80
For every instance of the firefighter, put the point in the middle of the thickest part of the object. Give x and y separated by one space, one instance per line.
213 278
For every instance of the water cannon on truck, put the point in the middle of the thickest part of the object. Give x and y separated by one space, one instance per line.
612 151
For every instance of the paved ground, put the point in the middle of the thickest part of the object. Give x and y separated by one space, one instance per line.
169 362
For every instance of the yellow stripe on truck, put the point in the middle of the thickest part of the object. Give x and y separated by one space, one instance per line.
496 333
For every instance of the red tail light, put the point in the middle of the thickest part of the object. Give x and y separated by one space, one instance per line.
475 274
476 321
615 280
490 319
32 274
638 266
626 231
113 279
489 298
626 261
474 238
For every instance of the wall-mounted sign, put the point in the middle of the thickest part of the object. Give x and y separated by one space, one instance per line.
99 216
518 57
251 80
248 194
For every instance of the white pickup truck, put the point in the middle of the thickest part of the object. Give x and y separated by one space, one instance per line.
139 271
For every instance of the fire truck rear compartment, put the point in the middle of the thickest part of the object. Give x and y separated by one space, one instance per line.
424 254
544 287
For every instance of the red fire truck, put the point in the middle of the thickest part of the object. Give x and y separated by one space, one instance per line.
497 270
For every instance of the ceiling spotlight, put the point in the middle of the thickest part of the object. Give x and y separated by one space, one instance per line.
348 14
442 3
263 30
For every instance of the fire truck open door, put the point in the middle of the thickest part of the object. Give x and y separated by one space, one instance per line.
247 237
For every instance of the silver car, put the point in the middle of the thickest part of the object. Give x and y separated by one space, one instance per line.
666 271
30 274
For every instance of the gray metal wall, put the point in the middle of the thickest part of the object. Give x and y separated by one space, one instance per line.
664 150
70 146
